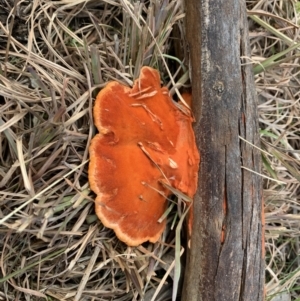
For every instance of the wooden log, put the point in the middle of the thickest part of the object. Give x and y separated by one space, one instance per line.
225 261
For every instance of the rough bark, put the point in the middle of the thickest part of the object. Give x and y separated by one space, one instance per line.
225 260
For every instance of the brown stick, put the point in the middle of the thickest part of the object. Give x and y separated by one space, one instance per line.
225 260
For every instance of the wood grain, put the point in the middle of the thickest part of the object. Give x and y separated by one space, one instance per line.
225 260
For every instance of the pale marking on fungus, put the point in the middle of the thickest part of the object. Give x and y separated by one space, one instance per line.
104 130
141 198
146 95
171 142
191 160
173 164
110 161
139 92
154 117
140 144
156 146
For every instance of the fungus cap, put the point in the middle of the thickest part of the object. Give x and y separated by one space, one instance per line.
143 138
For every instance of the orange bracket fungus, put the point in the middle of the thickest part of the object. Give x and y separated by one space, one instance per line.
143 139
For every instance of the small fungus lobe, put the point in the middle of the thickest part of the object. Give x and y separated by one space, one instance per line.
143 139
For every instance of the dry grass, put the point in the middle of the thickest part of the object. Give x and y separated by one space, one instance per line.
274 30
54 57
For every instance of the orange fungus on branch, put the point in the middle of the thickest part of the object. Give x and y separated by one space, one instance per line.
143 139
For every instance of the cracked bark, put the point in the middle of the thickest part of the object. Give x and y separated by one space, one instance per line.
225 261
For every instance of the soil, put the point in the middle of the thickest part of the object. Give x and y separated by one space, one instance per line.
14 18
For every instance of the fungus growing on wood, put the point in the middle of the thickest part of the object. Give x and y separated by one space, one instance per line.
143 139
